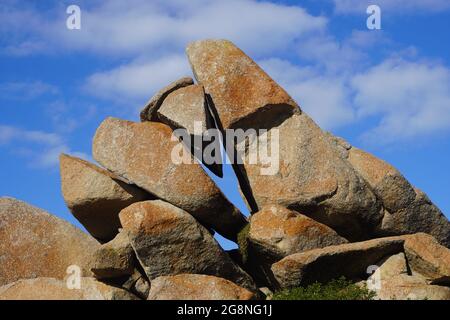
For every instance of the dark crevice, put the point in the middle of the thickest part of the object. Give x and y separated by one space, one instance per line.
230 149
266 117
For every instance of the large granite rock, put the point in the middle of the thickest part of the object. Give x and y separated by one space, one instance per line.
55 289
196 287
187 109
241 91
169 241
393 281
275 232
149 112
407 210
305 170
349 260
114 259
36 244
278 232
390 267
404 287
137 284
313 178
142 153
95 196
428 258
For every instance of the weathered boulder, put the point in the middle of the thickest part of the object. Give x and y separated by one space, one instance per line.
310 176
391 267
278 232
169 241
196 287
407 210
275 232
55 289
349 260
148 113
304 171
95 196
137 284
404 287
428 258
393 281
35 244
187 109
241 91
114 259
143 153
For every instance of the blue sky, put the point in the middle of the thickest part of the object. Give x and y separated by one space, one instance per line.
386 91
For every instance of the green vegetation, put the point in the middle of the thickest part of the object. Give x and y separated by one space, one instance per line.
242 240
338 289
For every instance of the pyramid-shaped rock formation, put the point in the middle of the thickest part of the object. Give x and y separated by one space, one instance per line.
329 210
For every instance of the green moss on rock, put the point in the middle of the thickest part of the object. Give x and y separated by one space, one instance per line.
242 240
338 289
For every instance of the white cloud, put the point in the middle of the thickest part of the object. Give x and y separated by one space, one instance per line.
324 98
26 90
394 6
398 100
6 134
134 27
139 79
333 80
412 99
66 118
42 148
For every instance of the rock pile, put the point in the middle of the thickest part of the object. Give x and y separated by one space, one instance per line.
331 210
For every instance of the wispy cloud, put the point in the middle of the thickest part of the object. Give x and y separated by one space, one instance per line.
412 99
324 97
132 27
26 90
41 148
393 6
335 80
138 80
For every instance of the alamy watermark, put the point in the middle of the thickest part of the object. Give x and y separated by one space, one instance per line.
251 146
73 280
73 21
374 20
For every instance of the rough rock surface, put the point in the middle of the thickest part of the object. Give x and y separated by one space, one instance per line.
428 258
156 209
168 241
54 289
278 232
407 210
312 176
148 113
35 244
142 153
114 259
404 287
187 109
96 196
184 107
392 266
241 91
137 284
196 287
333 262
392 281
